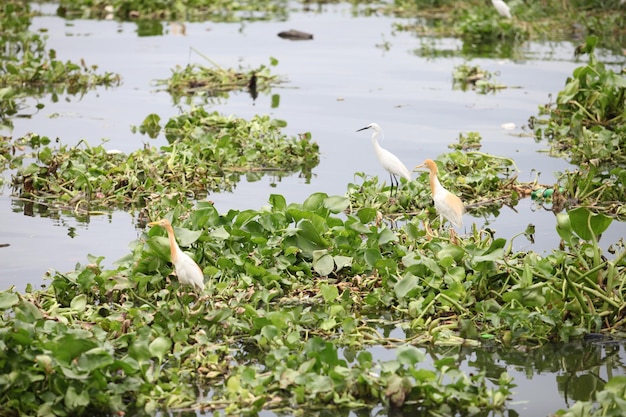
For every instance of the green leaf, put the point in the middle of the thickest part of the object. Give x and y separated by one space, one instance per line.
405 285
386 236
323 263
278 202
329 292
95 358
409 355
336 204
78 303
7 300
160 347
187 237
151 125
586 225
74 400
342 262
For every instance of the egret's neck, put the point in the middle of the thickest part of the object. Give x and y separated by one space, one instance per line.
375 140
435 185
173 244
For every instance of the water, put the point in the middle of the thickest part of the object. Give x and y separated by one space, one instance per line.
356 70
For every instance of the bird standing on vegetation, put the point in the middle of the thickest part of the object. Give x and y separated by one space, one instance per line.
389 161
502 8
447 204
187 270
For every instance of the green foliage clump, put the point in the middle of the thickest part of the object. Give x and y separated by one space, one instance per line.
483 181
587 124
473 77
191 10
28 68
207 152
609 401
588 120
295 295
196 80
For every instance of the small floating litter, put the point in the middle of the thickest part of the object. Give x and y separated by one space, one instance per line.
508 126
295 35
544 193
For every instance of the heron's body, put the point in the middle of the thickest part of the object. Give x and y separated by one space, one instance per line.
502 8
389 161
448 205
187 270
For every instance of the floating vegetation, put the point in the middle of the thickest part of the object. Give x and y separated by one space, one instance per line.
483 181
587 124
195 80
473 77
191 10
29 69
294 296
486 34
207 153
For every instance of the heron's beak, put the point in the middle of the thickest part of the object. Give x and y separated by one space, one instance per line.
152 223
418 166
366 127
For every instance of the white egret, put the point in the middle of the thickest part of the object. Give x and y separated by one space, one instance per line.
447 204
187 270
389 161
502 8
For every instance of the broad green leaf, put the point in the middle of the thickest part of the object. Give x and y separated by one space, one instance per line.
278 202
79 303
186 237
314 202
160 347
405 285
323 263
336 204
386 236
74 400
329 292
586 225
7 300
409 355
95 358
342 261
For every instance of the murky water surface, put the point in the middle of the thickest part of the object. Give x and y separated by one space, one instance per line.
356 70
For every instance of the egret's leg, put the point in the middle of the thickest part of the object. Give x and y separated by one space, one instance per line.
393 177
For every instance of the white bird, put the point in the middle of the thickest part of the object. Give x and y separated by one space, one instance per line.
447 204
502 8
187 270
389 161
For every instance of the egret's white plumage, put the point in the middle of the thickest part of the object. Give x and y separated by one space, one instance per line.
187 270
447 204
502 8
389 161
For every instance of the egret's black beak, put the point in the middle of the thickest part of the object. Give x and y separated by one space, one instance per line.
366 127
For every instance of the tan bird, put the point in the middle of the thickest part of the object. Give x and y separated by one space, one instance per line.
447 204
187 270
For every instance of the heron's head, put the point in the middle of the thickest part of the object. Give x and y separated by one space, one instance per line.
162 223
371 126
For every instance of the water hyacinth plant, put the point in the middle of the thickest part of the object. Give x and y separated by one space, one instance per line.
207 152
295 295
195 80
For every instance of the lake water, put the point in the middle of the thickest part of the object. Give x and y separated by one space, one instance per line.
355 71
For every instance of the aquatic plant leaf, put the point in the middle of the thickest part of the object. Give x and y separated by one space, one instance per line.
159 347
408 283
586 224
329 292
410 355
8 299
323 263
